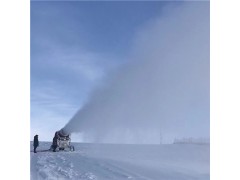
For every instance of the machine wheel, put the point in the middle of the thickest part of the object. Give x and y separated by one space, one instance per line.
72 148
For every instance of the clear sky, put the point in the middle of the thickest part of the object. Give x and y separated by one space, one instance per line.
74 46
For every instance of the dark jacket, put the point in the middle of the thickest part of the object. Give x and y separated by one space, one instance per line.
35 141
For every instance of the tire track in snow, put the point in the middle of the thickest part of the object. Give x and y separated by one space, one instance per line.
116 172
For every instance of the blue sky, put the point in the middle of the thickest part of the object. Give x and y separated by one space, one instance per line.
74 46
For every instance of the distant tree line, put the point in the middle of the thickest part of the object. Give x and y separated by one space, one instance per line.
191 141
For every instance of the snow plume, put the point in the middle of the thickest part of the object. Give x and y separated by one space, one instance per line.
163 93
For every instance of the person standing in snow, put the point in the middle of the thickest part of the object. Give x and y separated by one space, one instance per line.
35 143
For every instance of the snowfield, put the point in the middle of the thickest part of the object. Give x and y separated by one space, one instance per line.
118 161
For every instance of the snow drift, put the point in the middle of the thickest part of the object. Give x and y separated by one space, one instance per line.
118 162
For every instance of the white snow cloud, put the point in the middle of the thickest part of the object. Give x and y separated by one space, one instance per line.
164 89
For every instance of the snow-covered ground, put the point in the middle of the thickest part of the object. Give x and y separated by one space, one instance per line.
115 162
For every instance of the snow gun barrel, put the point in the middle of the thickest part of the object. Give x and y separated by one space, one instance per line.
63 133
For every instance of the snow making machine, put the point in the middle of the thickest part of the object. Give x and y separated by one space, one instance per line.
63 141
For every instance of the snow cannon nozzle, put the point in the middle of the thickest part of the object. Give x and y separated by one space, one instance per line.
62 133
